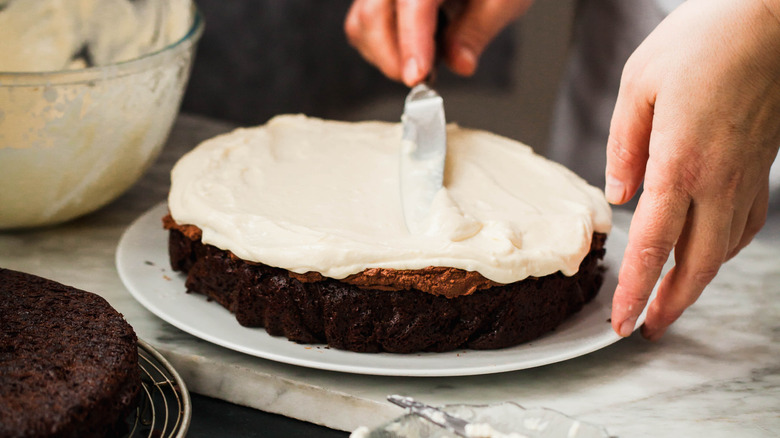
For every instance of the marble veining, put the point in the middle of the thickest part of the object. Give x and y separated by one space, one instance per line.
716 373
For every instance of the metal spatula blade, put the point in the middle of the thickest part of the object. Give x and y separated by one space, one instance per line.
423 153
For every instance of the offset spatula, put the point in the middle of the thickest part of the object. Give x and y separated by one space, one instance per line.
423 152
434 415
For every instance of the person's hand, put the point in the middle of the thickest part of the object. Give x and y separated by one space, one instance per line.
397 36
698 117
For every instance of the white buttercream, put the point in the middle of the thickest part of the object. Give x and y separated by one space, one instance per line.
306 194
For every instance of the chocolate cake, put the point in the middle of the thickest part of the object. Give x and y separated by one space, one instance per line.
297 226
68 361
368 317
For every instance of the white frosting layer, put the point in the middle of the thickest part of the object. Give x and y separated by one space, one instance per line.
306 194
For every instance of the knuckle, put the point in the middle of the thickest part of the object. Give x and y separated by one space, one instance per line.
666 192
689 178
732 185
677 180
703 275
665 315
621 153
633 302
680 178
654 257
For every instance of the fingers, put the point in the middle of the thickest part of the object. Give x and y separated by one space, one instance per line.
475 26
629 138
744 231
416 30
660 214
704 222
371 28
658 221
699 253
398 36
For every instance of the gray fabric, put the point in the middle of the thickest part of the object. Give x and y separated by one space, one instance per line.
605 35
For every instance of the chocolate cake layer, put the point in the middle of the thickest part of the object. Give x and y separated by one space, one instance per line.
68 361
437 280
349 317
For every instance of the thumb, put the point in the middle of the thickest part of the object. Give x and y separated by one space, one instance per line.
629 139
475 26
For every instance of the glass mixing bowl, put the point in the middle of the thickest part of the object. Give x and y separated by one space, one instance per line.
71 141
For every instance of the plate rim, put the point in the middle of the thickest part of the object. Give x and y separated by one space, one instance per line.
155 214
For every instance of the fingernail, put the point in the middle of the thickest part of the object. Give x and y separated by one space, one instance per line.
411 71
614 190
468 57
627 327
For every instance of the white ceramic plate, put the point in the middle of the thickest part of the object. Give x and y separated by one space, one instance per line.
142 261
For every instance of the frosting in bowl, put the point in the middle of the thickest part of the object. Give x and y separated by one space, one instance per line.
51 35
73 139
311 195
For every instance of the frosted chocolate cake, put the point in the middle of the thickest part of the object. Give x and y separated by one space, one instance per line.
296 226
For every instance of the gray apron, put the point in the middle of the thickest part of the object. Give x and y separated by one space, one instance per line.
605 34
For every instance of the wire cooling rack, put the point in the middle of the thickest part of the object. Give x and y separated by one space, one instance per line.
165 409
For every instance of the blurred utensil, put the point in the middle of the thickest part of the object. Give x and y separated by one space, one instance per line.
434 415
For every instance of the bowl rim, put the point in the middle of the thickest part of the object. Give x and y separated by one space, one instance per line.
114 70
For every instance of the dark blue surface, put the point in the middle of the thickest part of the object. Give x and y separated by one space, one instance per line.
212 418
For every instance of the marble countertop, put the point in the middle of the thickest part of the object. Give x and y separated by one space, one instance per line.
716 373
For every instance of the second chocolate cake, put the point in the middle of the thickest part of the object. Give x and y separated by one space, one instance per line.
68 361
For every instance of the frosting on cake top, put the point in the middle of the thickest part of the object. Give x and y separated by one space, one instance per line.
311 195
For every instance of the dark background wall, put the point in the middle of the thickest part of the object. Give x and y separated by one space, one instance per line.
258 58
